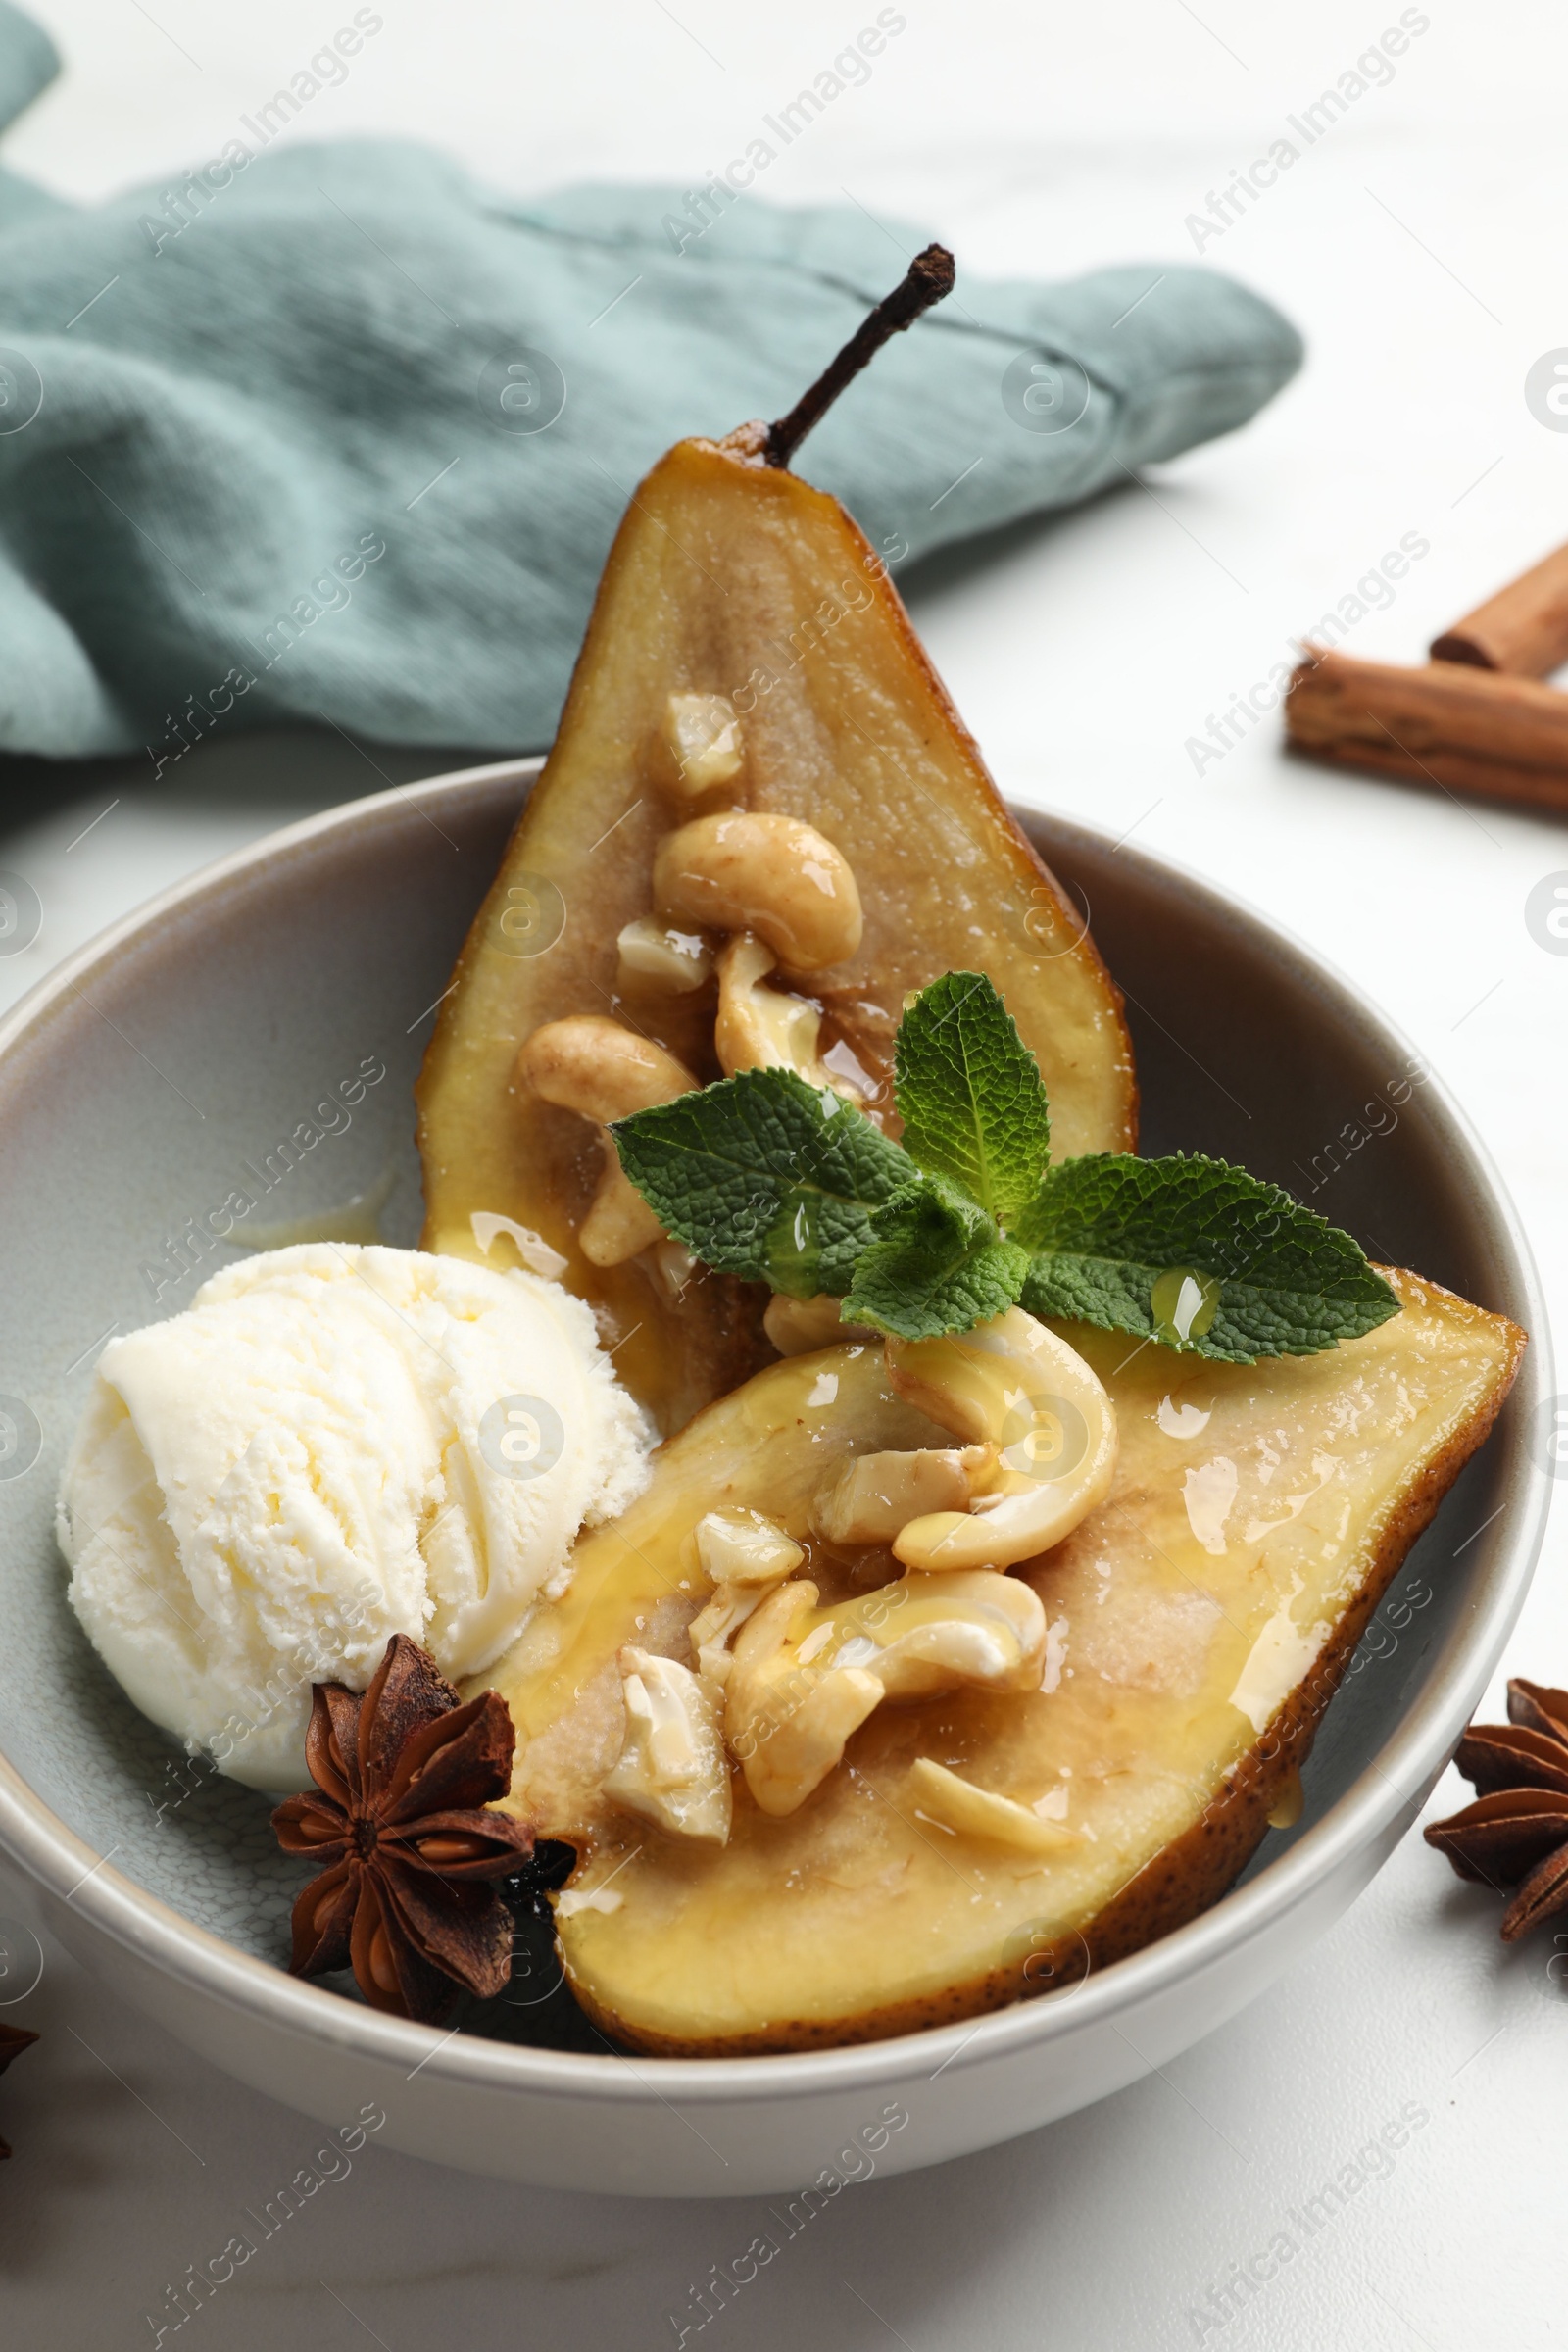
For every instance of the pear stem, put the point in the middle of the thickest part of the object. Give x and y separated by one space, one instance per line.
929 276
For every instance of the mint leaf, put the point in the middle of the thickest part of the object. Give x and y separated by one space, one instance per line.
937 1263
762 1176
1272 1278
971 1096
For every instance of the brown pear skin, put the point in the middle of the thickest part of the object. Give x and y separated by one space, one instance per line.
732 576
1203 1618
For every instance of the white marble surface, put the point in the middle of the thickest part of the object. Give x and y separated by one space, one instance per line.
1419 245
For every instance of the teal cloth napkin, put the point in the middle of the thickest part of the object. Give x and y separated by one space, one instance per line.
330 432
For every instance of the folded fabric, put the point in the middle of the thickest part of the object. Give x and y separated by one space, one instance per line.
330 432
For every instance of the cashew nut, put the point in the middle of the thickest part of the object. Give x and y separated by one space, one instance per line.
703 737
657 954
801 1680
876 1494
1012 1383
769 874
746 1554
978 1813
675 1265
923 1635
593 1065
799 1326
711 1628
741 1546
671 1768
761 1028
788 1726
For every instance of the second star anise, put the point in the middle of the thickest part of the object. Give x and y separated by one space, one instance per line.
400 1821
1516 1832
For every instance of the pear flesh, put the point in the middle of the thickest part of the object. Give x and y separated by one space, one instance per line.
1199 1623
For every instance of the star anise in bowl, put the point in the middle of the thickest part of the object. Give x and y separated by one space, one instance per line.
1516 1832
13 2040
400 1820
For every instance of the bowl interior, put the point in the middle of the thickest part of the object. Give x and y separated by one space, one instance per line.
261 1034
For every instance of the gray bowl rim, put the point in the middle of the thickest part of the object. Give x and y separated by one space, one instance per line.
1395 1780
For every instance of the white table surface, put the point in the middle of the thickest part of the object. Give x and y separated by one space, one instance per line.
1419 244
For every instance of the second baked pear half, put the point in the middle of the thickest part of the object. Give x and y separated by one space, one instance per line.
762 825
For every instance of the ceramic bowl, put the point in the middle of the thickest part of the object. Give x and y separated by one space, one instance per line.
169 1063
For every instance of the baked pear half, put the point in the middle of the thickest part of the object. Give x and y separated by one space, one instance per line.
997 1833
760 826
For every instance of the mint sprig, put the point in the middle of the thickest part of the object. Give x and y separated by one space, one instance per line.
763 1176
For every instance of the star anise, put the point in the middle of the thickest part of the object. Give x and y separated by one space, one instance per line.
1516 1832
402 1829
13 2040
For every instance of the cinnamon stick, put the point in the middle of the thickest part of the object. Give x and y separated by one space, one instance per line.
1468 729
1522 629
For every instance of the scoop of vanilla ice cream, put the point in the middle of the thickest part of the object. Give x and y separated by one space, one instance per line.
334 1444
